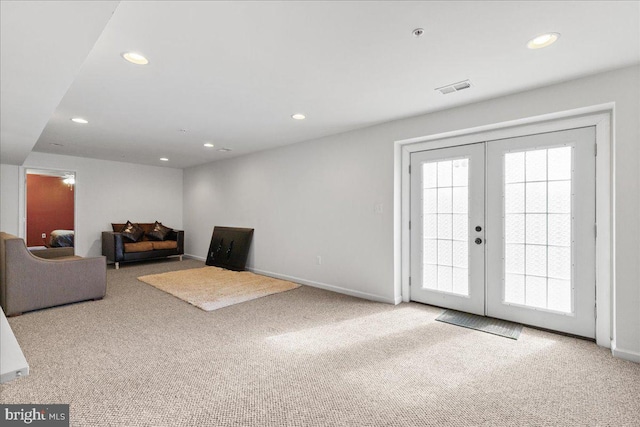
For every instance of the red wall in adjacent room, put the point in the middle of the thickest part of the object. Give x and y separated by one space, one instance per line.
49 207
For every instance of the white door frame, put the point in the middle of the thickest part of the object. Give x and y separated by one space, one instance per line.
600 116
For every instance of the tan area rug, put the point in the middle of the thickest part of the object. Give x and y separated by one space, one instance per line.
211 288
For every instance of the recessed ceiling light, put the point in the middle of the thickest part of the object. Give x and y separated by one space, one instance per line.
55 144
208 145
79 120
164 159
298 116
417 32
135 58
543 40
224 150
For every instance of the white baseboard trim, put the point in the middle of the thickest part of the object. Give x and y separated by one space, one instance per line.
624 354
199 258
332 288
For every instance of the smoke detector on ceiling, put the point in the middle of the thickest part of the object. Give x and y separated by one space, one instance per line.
454 87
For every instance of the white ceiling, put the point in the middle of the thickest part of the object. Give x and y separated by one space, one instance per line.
232 73
42 47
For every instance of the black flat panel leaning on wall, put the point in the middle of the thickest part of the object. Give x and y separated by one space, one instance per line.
229 247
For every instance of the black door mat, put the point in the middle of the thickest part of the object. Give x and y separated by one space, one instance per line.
481 323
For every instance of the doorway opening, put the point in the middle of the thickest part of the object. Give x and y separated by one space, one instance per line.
50 209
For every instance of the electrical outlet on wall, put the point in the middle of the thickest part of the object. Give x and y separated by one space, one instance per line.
44 235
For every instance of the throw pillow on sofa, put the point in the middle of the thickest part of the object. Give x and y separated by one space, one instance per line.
132 232
159 232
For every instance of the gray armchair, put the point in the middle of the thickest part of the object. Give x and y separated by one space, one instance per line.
28 282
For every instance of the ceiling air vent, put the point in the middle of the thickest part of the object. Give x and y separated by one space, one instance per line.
454 87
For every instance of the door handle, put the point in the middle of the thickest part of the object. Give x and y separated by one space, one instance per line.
478 241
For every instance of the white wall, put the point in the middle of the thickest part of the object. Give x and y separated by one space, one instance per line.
9 178
304 201
109 192
318 197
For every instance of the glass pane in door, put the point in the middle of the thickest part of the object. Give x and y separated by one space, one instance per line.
537 234
445 196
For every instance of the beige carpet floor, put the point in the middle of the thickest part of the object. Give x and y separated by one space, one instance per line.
306 357
211 288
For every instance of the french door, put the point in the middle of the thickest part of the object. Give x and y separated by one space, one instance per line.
505 229
447 216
